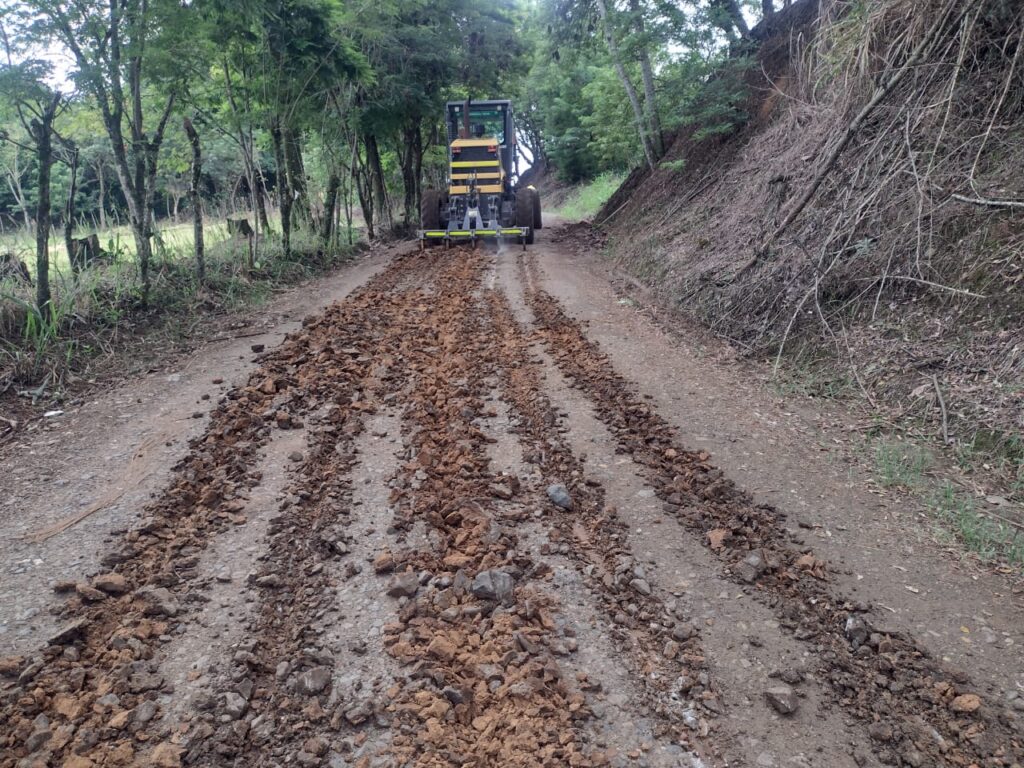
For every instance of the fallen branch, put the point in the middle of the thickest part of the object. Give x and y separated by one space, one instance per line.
962 291
131 478
988 203
942 408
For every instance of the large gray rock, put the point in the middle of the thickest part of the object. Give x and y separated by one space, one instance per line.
559 496
493 585
783 699
404 584
752 566
70 633
234 705
313 681
158 601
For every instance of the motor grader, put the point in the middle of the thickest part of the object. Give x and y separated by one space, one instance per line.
484 199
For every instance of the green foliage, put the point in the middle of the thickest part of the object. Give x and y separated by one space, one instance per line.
901 463
587 199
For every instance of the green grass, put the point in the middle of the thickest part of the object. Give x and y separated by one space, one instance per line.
588 198
96 311
990 538
171 240
902 464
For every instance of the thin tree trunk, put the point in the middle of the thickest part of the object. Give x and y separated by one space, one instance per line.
194 197
103 195
380 201
634 100
768 8
297 175
411 160
330 205
647 72
43 129
261 201
284 194
69 213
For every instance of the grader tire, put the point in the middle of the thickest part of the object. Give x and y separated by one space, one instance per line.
538 223
525 207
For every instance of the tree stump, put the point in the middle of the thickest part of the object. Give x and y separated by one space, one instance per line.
11 267
240 228
85 252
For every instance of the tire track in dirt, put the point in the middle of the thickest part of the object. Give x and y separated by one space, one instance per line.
751 653
917 711
663 654
279 694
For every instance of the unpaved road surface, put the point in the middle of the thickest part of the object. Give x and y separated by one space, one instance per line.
448 522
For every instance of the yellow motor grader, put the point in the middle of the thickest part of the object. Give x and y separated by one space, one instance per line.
483 198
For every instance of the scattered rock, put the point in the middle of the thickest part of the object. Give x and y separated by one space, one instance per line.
111 583
717 537
493 584
158 601
880 732
403 584
965 703
752 566
11 666
856 631
90 594
234 705
559 496
683 631
313 681
384 562
69 634
166 755
641 586
783 699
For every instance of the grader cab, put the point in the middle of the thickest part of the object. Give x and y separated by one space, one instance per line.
484 199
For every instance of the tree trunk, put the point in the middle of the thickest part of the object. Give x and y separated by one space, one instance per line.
634 100
361 185
197 203
768 8
412 162
261 202
647 72
43 130
382 212
732 7
69 212
330 206
284 194
297 175
103 194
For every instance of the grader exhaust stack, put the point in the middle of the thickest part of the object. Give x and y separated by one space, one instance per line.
483 199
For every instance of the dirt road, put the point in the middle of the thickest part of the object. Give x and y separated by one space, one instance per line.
448 522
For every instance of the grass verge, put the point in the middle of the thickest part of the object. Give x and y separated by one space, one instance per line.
97 316
588 198
991 536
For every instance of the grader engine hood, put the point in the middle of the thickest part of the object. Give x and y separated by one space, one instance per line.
476 160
